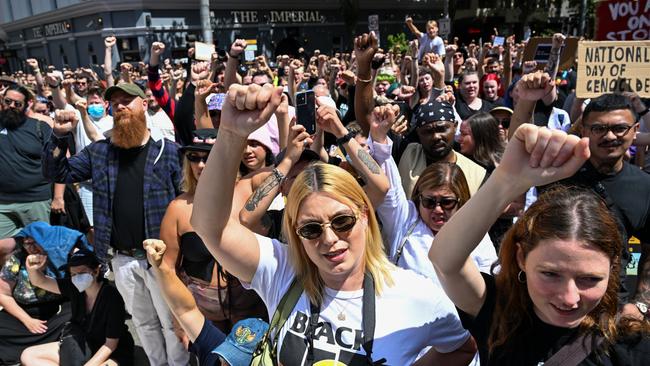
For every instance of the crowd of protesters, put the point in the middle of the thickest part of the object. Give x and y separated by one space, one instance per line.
453 205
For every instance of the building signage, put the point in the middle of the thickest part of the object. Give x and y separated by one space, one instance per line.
58 28
37 32
276 17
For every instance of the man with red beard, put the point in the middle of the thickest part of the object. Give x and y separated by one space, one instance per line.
133 179
25 195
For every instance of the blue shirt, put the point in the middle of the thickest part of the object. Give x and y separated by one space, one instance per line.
431 45
99 161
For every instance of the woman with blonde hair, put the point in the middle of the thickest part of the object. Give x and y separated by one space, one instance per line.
218 295
356 307
554 301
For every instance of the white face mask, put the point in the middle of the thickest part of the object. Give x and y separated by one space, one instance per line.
82 281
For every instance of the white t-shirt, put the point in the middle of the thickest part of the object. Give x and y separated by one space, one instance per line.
161 121
428 45
81 139
398 214
412 314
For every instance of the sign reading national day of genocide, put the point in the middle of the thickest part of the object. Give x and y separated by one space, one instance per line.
611 67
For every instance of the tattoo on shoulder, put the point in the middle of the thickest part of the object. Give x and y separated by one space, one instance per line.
368 161
262 191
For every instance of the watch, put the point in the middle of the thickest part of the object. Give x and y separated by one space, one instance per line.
643 307
644 112
343 140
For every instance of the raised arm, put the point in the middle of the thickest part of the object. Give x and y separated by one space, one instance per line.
234 246
89 127
507 61
530 88
535 156
201 113
409 23
365 47
109 42
177 296
234 56
377 182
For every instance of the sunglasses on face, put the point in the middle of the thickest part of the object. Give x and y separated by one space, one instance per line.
313 230
194 158
504 122
619 130
446 203
8 102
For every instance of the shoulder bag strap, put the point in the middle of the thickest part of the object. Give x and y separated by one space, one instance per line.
573 353
400 249
368 321
285 307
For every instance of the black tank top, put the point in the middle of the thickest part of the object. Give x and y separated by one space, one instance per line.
196 259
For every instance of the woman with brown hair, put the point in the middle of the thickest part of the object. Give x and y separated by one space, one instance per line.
410 224
480 140
554 300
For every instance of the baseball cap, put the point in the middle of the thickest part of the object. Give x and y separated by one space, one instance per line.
198 142
128 88
237 349
501 108
83 257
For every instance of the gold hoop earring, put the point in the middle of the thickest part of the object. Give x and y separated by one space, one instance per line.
521 276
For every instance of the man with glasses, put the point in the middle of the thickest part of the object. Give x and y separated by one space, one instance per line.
435 126
25 195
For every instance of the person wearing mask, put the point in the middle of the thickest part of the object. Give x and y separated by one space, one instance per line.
97 333
334 253
133 180
25 195
554 300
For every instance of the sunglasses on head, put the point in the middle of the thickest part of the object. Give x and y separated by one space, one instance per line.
194 158
313 230
446 203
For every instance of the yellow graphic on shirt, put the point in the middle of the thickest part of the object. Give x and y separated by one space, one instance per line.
329 363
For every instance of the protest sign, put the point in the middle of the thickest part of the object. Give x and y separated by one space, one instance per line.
622 20
610 67
203 51
539 49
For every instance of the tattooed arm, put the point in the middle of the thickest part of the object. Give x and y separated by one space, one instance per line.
377 184
553 65
259 202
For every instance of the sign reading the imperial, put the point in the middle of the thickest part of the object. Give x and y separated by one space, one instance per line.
623 20
58 28
282 16
611 67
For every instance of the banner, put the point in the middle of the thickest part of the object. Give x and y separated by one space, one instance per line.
610 67
539 49
618 20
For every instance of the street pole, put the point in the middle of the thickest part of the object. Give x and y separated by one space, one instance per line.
205 21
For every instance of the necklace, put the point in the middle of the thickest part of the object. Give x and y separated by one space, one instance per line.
341 315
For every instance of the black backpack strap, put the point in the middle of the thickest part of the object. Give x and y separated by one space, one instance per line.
310 332
368 310
574 353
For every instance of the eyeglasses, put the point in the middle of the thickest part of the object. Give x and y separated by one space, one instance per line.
446 203
193 158
313 230
458 55
8 102
619 130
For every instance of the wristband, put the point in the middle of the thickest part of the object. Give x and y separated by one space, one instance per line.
345 139
238 57
364 81
57 86
278 175
644 112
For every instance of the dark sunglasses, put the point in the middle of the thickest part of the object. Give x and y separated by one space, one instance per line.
8 102
504 122
313 230
446 203
193 158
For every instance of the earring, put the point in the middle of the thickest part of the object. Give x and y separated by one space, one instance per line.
521 276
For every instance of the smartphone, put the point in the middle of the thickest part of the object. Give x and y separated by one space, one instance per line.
306 110
498 41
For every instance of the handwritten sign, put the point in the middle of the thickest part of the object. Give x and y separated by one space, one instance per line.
623 20
610 67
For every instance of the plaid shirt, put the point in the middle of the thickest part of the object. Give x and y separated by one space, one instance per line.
99 161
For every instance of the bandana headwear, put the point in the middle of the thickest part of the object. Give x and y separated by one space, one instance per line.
433 112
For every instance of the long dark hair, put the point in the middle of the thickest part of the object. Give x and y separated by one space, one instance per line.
488 145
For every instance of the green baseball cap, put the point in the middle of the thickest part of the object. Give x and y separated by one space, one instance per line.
128 88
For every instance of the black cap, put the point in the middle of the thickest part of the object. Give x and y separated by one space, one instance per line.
199 142
83 257
306 155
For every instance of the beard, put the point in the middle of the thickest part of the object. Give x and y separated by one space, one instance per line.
12 118
129 129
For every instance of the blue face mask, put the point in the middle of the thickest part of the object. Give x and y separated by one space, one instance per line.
96 111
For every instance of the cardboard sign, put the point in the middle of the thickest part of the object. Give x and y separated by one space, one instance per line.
622 20
539 49
203 51
444 26
610 67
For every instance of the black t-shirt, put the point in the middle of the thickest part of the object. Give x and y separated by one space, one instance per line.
106 319
20 162
539 341
464 110
127 231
